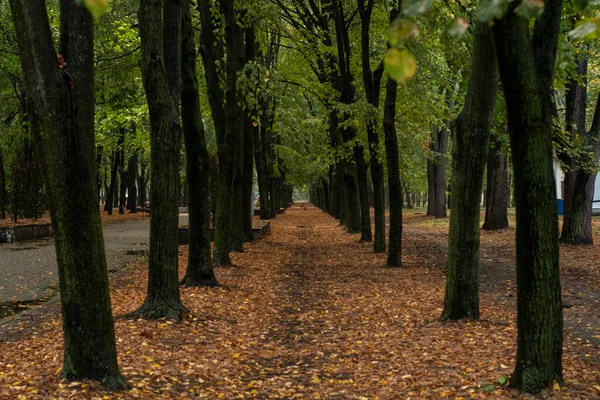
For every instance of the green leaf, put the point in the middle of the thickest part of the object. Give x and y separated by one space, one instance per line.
400 31
491 9
502 380
530 8
458 27
488 388
401 65
96 7
585 29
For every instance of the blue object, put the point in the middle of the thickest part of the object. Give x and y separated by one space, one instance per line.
561 206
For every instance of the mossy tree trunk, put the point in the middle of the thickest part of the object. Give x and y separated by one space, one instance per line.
110 196
249 145
526 63
160 34
132 168
236 233
199 270
469 153
2 188
62 104
226 143
579 181
497 191
123 179
394 259
372 83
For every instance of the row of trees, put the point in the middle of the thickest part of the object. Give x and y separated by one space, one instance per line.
280 91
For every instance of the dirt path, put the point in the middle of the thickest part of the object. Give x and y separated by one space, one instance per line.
306 313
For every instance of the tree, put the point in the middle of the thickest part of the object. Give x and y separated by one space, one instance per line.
199 270
579 178
394 258
160 33
2 188
526 64
62 103
470 142
497 192
372 83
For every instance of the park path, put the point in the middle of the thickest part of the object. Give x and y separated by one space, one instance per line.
28 272
307 312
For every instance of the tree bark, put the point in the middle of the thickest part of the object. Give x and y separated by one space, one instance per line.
226 142
439 169
526 65
199 270
372 83
99 151
469 148
123 180
110 196
132 168
160 34
142 180
496 207
2 188
394 259
62 103
363 188
579 182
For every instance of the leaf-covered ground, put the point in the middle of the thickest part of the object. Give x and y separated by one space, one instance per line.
310 313
45 219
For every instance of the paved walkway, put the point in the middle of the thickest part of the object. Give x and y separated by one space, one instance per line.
28 269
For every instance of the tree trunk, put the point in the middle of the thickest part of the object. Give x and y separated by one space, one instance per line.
226 143
469 147
132 168
496 207
409 198
579 183
199 270
439 169
372 84
110 196
526 65
394 259
98 167
63 113
238 205
248 162
123 180
363 190
261 172
160 34
2 188
142 180
430 188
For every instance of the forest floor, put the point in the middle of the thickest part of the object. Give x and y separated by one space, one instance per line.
310 312
45 219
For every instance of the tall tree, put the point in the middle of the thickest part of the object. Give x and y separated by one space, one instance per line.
62 104
199 270
579 178
394 258
470 142
526 64
436 169
497 191
160 34
372 83
2 188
